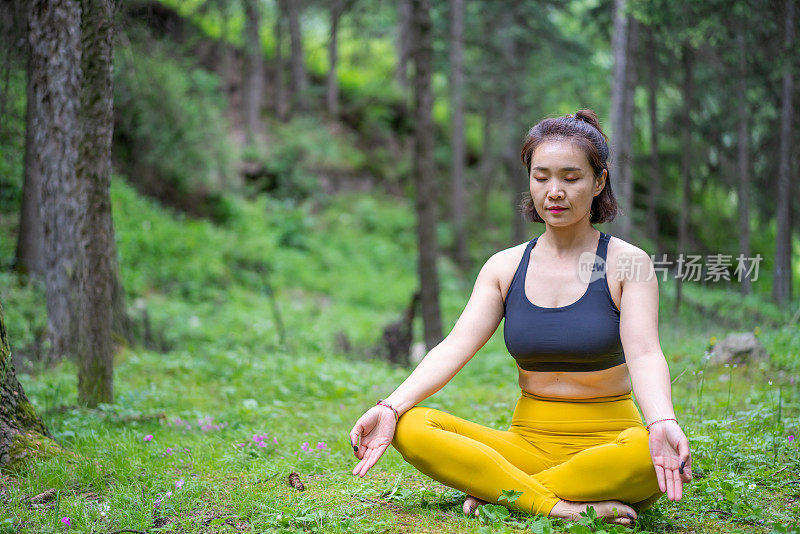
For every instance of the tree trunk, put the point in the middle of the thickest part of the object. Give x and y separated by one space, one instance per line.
337 8
299 81
515 173
228 68
686 162
54 69
459 209
281 104
655 163
253 71
403 42
782 273
619 93
30 256
487 165
424 172
17 416
743 159
517 181
97 277
626 148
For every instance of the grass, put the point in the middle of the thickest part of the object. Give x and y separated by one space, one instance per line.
219 374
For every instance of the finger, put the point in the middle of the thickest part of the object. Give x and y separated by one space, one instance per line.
368 462
358 468
377 453
687 475
662 485
678 486
683 452
670 479
362 450
358 429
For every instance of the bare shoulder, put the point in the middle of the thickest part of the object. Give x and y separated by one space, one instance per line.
502 265
626 261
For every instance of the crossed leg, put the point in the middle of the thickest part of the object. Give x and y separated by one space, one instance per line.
483 462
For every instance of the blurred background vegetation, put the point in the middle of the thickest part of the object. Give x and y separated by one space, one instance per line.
261 242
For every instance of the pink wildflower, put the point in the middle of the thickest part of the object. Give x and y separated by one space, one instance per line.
148 437
791 438
321 445
66 521
241 444
275 441
179 484
262 444
168 494
305 446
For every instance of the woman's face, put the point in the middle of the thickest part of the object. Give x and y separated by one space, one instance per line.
562 177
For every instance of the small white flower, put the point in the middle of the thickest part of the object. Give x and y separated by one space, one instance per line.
751 486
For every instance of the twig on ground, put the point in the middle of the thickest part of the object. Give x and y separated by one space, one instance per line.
717 510
44 497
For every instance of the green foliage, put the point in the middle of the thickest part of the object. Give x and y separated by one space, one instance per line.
23 304
170 132
12 135
299 152
331 271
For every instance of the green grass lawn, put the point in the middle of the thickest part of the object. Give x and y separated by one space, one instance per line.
221 408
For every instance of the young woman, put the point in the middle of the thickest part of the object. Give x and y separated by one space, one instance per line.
581 321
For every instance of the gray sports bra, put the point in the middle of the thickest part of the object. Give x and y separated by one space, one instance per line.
582 336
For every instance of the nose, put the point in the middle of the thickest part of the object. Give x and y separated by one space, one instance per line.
555 191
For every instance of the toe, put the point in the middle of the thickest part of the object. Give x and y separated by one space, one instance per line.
470 505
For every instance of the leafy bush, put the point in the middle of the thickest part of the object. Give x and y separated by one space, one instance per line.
170 131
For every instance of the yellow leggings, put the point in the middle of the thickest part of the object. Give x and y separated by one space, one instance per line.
577 450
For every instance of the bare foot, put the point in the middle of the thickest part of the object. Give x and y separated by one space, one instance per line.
609 511
471 505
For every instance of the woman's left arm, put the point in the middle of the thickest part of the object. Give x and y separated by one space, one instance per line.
649 372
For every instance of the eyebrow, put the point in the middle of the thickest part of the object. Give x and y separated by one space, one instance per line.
563 169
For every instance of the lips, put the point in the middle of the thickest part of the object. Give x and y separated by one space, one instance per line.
556 209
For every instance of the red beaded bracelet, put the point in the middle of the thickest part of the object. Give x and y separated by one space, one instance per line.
658 421
382 403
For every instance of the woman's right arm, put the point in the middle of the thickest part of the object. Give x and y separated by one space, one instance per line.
474 327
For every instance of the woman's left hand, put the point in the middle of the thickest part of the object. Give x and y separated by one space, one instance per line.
672 460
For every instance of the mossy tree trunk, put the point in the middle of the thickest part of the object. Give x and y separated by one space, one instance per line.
17 416
424 172
54 72
97 266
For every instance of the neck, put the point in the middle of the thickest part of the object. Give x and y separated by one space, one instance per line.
565 241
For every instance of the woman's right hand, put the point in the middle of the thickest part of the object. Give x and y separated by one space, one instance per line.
376 429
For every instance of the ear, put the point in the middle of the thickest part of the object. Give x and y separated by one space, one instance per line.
600 182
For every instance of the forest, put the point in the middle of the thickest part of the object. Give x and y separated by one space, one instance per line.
229 227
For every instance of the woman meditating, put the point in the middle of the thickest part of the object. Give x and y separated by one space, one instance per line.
581 321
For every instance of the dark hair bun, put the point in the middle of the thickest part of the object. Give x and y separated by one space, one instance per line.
588 116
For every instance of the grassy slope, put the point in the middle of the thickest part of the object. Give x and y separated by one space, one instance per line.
346 267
